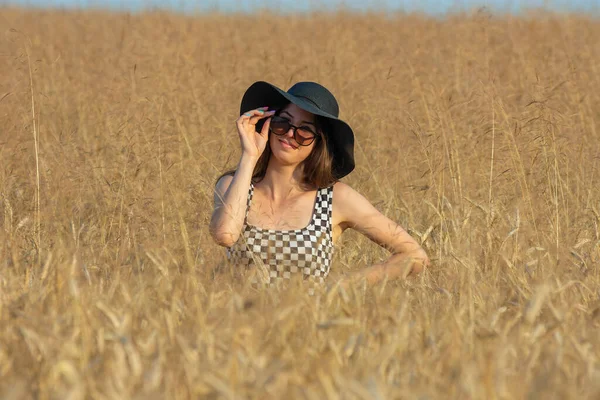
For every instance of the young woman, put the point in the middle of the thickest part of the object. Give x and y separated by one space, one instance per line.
281 211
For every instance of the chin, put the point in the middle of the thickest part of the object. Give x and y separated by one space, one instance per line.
286 157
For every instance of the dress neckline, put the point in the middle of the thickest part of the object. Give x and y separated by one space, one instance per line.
310 222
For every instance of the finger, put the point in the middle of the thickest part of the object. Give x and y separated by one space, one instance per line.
264 132
256 111
247 115
253 120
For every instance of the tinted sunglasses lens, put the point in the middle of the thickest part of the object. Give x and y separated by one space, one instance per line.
279 126
304 137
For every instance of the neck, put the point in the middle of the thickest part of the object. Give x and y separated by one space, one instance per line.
281 181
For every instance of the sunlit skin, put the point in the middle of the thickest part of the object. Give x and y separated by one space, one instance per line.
280 203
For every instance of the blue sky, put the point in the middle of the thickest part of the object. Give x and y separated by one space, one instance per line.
428 6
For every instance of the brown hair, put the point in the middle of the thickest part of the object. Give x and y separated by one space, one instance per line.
318 171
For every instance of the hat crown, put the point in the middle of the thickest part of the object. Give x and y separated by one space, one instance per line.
316 94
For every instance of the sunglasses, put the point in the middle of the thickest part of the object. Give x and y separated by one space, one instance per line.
303 135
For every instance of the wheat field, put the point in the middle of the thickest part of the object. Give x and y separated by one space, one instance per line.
478 133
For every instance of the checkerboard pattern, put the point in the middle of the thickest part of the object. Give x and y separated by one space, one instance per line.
287 254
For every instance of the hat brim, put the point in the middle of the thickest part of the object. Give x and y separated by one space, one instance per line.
340 140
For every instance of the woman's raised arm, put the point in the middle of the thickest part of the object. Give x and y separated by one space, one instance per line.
231 192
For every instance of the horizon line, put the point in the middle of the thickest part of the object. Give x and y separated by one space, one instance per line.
428 7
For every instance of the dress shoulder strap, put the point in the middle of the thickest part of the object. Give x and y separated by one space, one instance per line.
249 200
329 201
324 207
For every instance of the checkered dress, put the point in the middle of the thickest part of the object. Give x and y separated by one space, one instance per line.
286 254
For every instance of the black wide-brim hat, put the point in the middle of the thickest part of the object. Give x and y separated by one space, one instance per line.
315 99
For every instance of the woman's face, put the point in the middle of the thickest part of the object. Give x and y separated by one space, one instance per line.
285 147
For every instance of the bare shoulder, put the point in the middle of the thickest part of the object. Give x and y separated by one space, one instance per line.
343 194
349 205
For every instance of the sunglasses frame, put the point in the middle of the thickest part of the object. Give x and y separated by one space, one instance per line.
294 129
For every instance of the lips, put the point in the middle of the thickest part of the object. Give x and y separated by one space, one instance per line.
287 144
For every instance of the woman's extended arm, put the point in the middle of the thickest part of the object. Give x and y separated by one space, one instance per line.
231 192
354 211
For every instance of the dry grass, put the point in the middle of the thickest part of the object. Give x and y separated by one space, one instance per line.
479 134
